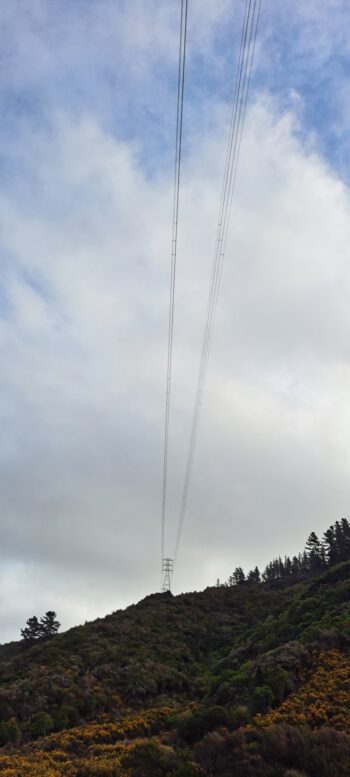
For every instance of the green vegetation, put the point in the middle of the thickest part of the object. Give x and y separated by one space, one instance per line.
219 682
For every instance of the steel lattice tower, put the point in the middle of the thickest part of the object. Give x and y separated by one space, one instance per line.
167 568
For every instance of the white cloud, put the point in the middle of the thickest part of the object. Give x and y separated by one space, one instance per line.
83 355
85 217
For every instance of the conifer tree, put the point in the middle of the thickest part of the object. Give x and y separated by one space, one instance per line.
49 626
346 537
331 546
238 576
254 576
313 550
287 566
32 630
295 568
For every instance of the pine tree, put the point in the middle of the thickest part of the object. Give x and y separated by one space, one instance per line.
238 576
313 550
32 630
342 539
317 555
346 537
304 563
254 576
295 569
331 546
281 570
269 573
49 626
287 566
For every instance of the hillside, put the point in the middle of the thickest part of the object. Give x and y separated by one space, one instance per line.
250 679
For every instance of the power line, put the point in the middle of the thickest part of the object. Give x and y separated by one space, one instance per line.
177 170
239 105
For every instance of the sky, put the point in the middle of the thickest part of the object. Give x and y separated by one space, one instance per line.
88 104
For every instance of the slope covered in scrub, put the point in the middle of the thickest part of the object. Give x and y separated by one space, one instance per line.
216 682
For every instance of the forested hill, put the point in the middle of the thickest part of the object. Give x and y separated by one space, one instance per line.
245 679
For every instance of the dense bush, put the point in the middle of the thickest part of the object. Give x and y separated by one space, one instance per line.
9 732
41 724
280 751
151 760
262 698
193 725
251 681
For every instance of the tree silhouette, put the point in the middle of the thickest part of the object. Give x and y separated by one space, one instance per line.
32 630
47 627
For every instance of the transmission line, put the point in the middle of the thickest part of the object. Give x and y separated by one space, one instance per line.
177 170
239 105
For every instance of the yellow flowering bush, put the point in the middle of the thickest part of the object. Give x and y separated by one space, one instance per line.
322 698
91 750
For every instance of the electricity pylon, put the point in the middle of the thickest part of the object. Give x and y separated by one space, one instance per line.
167 568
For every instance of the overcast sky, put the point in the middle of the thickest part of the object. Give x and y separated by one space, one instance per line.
88 97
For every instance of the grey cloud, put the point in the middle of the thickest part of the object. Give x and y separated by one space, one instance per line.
83 341
81 488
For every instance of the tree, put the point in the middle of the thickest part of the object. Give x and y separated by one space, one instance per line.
287 566
304 563
342 539
314 552
262 698
240 716
13 732
281 570
32 630
295 568
41 724
346 537
9 732
61 717
238 576
49 625
273 571
331 545
150 759
254 576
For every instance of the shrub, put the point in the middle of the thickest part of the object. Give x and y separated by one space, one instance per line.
280 682
193 726
65 716
9 732
150 760
41 724
262 698
240 716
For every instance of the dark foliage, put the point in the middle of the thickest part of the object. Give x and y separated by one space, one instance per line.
212 660
46 628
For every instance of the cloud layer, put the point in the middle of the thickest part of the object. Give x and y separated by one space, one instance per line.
85 216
